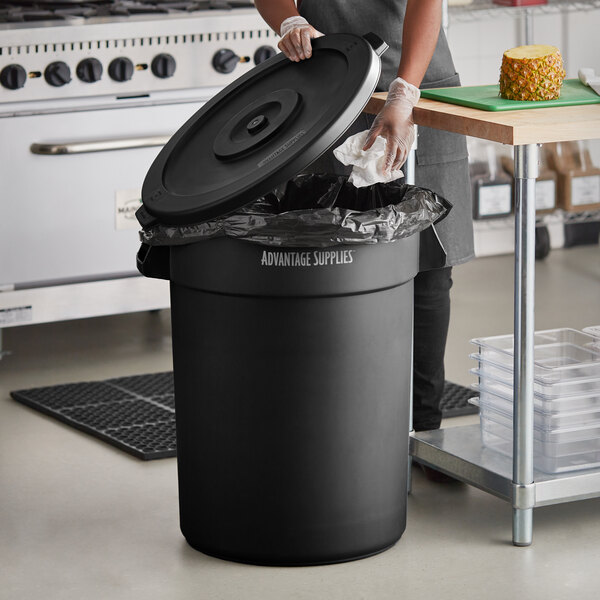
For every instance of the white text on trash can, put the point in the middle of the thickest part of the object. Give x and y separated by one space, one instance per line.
312 258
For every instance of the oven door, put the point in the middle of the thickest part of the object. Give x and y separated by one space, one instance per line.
70 186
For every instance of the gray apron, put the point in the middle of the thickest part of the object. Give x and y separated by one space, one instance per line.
441 161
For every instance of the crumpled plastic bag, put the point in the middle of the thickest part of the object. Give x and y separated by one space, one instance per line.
314 210
367 165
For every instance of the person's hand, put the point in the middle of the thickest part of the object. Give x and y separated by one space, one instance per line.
395 123
296 34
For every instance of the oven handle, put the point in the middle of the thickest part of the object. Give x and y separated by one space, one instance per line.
99 146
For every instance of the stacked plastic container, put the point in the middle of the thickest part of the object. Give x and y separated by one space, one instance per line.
566 397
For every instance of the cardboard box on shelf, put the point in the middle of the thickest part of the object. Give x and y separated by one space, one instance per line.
578 178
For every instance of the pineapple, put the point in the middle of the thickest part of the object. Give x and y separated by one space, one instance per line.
531 73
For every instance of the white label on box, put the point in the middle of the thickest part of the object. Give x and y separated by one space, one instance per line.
545 194
585 190
126 203
495 200
16 315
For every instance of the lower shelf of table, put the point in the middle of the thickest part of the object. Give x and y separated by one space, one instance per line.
459 452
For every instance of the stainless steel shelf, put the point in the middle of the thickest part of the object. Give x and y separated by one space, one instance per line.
459 452
481 10
588 216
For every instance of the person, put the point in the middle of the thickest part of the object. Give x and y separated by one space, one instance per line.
418 56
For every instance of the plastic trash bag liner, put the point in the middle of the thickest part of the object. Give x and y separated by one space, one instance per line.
315 210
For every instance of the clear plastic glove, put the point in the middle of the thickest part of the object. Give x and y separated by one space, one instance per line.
395 124
296 34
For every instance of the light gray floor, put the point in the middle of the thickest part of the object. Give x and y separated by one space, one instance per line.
79 519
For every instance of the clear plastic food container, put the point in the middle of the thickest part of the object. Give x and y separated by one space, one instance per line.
587 459
594 331
559 391
559 354
560 442
493 396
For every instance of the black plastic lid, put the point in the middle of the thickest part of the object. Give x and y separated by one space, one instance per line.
261 130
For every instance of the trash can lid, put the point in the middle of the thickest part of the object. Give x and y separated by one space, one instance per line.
261 130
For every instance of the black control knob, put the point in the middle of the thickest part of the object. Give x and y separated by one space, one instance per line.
225 61
89 70
263 53
120 69
163 65
57 73
13 77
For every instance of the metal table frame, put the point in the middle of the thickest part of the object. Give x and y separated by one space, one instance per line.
458 451
469 462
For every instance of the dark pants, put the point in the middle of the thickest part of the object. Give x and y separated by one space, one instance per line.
432 316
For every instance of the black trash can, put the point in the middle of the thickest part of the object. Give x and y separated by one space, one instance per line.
292 395
292 365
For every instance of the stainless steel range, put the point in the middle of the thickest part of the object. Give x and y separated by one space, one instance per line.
89 92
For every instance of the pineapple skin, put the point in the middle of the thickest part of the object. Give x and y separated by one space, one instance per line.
531 79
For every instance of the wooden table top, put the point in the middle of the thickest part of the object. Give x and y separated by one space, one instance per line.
514 127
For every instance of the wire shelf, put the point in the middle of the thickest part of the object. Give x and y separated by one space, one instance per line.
557 217
480 10
567 217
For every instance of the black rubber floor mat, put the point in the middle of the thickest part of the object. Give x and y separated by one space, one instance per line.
137 413
455 401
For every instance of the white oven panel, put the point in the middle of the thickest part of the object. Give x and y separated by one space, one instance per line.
58 220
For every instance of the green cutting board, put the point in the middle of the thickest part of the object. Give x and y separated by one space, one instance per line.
486 97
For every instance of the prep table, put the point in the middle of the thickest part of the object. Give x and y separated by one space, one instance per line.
459 451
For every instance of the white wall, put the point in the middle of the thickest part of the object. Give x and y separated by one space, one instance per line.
477 46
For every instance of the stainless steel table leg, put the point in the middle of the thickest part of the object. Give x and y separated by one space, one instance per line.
410 178
526 172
